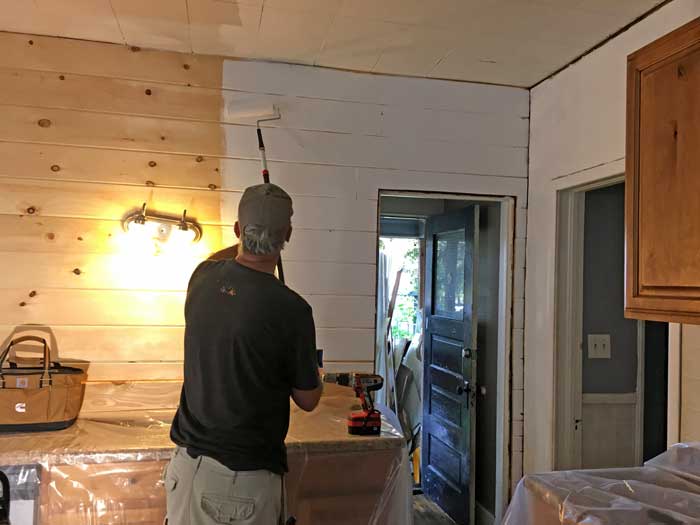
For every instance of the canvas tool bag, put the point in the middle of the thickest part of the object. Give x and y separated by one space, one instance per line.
36 393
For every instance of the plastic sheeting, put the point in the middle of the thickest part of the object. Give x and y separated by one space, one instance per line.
107 470
665 491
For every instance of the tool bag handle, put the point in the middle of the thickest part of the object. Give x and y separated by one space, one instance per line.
46 375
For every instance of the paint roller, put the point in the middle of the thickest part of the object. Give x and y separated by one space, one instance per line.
275 115
267 113
261 113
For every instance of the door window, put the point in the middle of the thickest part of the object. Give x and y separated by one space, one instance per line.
449 274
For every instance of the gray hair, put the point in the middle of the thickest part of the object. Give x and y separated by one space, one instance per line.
259 240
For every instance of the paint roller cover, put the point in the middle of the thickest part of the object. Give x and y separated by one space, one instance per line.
250 113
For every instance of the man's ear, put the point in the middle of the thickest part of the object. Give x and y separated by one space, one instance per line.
289 234
237 229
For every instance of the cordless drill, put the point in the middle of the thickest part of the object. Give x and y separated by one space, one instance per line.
368 421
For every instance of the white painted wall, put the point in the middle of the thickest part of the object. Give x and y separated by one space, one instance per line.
577 137
343 137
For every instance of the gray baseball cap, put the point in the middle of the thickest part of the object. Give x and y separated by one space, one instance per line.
265 205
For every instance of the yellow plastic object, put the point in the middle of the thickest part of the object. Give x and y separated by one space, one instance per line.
416 466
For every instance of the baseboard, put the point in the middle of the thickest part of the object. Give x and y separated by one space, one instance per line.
483 516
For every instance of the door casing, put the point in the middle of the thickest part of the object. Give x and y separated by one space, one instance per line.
569 343
504 455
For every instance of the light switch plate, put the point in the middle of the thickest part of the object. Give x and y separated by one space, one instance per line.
599 346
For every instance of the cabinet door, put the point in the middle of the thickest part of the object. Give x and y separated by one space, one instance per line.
663 179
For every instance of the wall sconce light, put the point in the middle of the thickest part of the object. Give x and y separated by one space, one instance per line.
162 227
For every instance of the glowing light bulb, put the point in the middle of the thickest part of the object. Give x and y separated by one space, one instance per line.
137 228
183 236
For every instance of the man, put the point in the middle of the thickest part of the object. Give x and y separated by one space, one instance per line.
249 346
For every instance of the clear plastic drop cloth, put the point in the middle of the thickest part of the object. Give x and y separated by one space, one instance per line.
108 469
665 491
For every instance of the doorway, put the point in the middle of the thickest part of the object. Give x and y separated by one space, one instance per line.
612 372
443 304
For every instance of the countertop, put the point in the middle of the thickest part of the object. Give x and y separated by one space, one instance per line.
145 435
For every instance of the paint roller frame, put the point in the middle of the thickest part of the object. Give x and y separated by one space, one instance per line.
275 115
260 117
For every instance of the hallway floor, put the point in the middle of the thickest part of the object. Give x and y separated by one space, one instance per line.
425 512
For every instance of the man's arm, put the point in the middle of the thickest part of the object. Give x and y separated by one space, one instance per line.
307 400
307 386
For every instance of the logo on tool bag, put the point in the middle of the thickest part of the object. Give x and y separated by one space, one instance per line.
21 408
22 382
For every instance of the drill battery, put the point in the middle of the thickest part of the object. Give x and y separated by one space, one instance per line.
365 423
368 421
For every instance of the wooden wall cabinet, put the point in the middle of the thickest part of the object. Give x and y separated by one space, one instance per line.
663 179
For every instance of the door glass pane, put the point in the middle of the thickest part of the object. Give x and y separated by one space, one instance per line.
449 274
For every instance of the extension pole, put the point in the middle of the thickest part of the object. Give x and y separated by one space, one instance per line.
266 176
263 158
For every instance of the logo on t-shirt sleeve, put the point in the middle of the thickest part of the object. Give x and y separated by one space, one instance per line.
228 290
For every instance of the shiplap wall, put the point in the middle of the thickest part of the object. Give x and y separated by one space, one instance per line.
90 132
114 110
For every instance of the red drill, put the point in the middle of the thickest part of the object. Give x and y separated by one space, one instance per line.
368 421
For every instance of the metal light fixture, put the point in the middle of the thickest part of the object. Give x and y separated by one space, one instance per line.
165 226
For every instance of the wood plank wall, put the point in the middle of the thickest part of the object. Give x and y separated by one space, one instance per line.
91 131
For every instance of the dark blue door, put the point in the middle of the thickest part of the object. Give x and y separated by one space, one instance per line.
449 376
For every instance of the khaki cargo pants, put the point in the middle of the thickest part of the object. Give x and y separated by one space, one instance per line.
202 491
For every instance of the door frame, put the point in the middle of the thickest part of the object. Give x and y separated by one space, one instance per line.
639 423
568 327
505 328
675 341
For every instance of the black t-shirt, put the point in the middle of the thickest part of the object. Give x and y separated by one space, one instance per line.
248 341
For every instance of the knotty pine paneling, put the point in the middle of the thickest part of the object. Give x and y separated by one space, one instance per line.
108 344
67 181
90 307
34 234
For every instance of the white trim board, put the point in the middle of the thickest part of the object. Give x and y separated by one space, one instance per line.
505 353
675 340
568 374
570 400
639 419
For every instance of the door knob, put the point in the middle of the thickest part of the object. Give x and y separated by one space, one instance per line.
461 389
466 353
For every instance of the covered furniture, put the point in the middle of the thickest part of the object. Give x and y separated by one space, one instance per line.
665 490
108 470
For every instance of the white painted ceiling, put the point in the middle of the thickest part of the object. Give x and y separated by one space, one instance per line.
515 42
